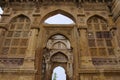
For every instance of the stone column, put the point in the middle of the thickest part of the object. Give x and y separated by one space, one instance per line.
115 42
85 57
30 53
102 76
113 31
2 35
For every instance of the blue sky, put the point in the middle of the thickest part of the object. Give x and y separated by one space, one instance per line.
1 11
60 73
59 19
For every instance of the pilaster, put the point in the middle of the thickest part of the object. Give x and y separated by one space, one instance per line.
113 31
86 60
30 53
2 33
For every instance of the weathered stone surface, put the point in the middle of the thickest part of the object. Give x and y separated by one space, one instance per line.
89 49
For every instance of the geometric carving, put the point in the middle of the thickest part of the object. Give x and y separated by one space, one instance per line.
16 38
11 62
58 42
59 45
104 61
59 57
99 37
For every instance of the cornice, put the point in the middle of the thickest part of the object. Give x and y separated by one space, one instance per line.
109 70
22 71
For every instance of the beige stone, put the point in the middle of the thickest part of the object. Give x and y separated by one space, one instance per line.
89 49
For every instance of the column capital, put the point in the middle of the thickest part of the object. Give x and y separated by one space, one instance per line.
35 27
82 28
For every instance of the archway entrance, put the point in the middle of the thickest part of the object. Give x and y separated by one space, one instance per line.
59 73
57 53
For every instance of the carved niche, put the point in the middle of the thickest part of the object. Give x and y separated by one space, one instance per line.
59 57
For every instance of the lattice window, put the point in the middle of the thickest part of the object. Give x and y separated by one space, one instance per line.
16 39
99 37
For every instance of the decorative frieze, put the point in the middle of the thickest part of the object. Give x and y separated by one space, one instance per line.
104 61
11 61
7 11
94 7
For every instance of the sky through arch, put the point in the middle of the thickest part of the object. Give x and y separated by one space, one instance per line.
60 73
59 19
1 11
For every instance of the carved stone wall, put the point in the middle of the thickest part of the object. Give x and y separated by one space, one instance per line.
71 49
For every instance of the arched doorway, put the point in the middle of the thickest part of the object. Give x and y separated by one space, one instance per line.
57 53
59 73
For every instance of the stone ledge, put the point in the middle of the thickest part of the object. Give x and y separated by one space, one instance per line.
26 71
99 71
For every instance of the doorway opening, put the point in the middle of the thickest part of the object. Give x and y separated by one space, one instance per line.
58 73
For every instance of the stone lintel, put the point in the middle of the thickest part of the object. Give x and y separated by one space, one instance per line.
59 25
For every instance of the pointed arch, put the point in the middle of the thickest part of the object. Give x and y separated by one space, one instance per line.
98 16
58 34
59 43
56 38
59 73
99 37
18 15
59 11
18 34
58 19
59 57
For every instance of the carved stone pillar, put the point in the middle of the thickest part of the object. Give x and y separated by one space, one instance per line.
2 35
102 76
30 53
48 72
116 45
85 57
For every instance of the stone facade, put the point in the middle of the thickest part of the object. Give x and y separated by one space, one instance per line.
89 49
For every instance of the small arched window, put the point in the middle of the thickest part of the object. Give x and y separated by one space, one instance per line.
16 38
99 37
